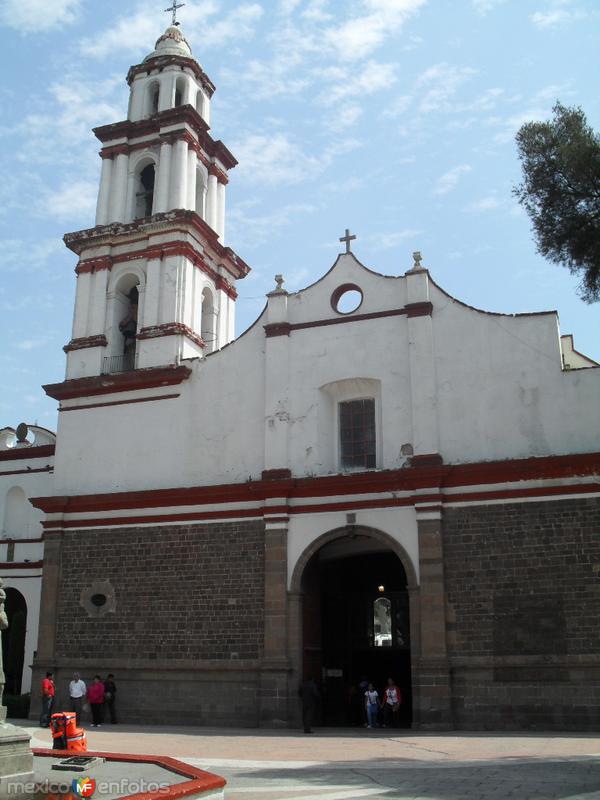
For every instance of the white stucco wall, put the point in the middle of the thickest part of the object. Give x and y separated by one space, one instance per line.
470 385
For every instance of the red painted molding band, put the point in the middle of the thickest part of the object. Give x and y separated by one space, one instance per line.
171 329
47 468
120 382
276 474
277 329
21 564
400 480
282 513
418 309
427 460
18 453
120 402
86 341
284 328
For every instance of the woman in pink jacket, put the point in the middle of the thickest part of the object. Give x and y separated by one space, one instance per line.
95 696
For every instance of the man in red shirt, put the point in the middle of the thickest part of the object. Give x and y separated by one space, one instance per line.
48 691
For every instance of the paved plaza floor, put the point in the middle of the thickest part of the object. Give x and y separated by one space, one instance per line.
350 764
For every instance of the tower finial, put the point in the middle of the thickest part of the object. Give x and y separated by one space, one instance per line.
174 8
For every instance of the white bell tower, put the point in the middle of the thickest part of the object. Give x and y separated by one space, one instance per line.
155 281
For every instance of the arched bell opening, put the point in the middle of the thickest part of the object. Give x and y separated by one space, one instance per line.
201 188
180 91
124 312
151 99
144 190
208 320
354 623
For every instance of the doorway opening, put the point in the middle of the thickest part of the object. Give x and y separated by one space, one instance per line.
356 627
13 640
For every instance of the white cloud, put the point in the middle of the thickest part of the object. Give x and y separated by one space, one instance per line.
199 25
484 6
449 180
316 11
438 85
251 230
32 344
274 160
344 118
555 14
488 203
239 23
388 241
73 200
551 18
359 36
21 255
373 77
37 16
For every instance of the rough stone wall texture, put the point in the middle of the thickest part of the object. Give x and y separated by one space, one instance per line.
185 596
522 608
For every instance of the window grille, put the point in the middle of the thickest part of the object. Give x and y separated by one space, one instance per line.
357 434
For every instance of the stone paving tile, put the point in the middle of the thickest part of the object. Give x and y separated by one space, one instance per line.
354 764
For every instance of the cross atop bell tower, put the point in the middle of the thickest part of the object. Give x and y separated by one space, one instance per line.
156 283
174 8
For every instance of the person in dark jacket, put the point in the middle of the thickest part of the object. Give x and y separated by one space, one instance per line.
110 694
309 692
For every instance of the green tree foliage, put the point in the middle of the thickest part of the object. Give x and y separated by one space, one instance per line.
561 192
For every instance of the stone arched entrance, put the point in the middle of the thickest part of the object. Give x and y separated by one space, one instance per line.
13 640
354 613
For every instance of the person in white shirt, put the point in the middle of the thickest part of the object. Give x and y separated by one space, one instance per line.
391 704
372 706
77 693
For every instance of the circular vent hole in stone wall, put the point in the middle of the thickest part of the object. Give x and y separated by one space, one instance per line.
347 298
99 600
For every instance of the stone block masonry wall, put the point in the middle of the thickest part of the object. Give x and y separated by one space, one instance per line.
523 604
186 634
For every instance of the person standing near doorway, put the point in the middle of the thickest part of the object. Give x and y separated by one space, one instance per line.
95 695
372 706
77 693
391 704
110 692
48 692
309 692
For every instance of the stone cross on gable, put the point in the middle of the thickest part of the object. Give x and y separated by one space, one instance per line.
347 238
174 8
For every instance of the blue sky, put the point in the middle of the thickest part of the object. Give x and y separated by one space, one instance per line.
395 118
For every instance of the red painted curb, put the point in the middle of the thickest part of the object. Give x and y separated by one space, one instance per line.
200 780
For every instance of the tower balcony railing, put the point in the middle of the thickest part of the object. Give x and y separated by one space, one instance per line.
113 364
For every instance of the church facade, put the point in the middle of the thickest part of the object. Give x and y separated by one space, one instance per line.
375 479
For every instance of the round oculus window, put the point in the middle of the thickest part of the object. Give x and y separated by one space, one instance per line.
347 298
99 600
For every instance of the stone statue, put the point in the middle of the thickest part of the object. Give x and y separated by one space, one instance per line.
3 627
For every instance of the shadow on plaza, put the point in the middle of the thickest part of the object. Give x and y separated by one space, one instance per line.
550 779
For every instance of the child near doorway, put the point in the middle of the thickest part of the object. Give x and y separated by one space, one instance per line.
372 706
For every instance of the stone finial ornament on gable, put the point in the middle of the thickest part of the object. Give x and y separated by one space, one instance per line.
22 431
279 281
417 258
